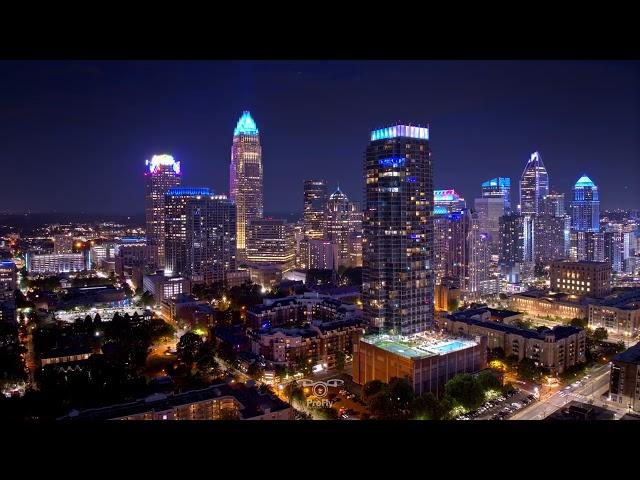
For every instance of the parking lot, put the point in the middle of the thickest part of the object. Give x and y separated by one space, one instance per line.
502 407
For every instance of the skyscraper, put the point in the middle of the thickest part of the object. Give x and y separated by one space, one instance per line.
200 234
398 284
315 200
585 208
534 186
489 210
499 187
587 242
245 177
271 241
162 173
450 247
343 226
447 201
554 204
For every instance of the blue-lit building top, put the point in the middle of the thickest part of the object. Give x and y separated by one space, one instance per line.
189 192
585 207
246 125
499 187
395 131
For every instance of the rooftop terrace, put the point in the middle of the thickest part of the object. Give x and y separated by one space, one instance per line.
419 345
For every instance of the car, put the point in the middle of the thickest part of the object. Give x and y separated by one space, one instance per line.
516 405
567 388
576 384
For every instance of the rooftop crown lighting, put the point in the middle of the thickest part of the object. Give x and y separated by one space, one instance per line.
163 160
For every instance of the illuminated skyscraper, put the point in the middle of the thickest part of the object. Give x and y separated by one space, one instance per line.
489 210
398 282
554 204
200 234
499 187
343 226
162 172
245 177
271 241
450 247
585 208
534 186
447 201
315 200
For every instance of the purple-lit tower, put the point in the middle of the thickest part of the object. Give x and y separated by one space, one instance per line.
162 172
245 177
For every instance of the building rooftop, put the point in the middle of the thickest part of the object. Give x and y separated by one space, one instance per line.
253 403
581 411
630 355
419 345
559 331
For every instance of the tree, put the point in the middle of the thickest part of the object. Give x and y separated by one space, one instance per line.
465 389
254 371
371 388
189 347
381 405
528 370
579 322
600 334
488 381
401 393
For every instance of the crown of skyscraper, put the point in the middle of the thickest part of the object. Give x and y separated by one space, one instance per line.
400 131
246 125
162 160
584 181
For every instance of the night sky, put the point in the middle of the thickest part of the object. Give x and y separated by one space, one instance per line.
75 135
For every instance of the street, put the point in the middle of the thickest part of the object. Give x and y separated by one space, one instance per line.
590 391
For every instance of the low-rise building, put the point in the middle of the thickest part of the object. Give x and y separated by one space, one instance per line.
56 263
66 355
212 403
164 287
581 278
619 313
427 360
299 308
556 349
624 383
547 304
317 343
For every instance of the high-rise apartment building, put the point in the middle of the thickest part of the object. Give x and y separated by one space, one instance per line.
162 173
315 201
398 282
63 243
246 177
200 234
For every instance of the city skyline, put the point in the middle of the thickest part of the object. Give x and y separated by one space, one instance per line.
293 148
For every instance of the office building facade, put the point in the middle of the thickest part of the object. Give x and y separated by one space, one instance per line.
315 201
162 172
246 177
499 187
